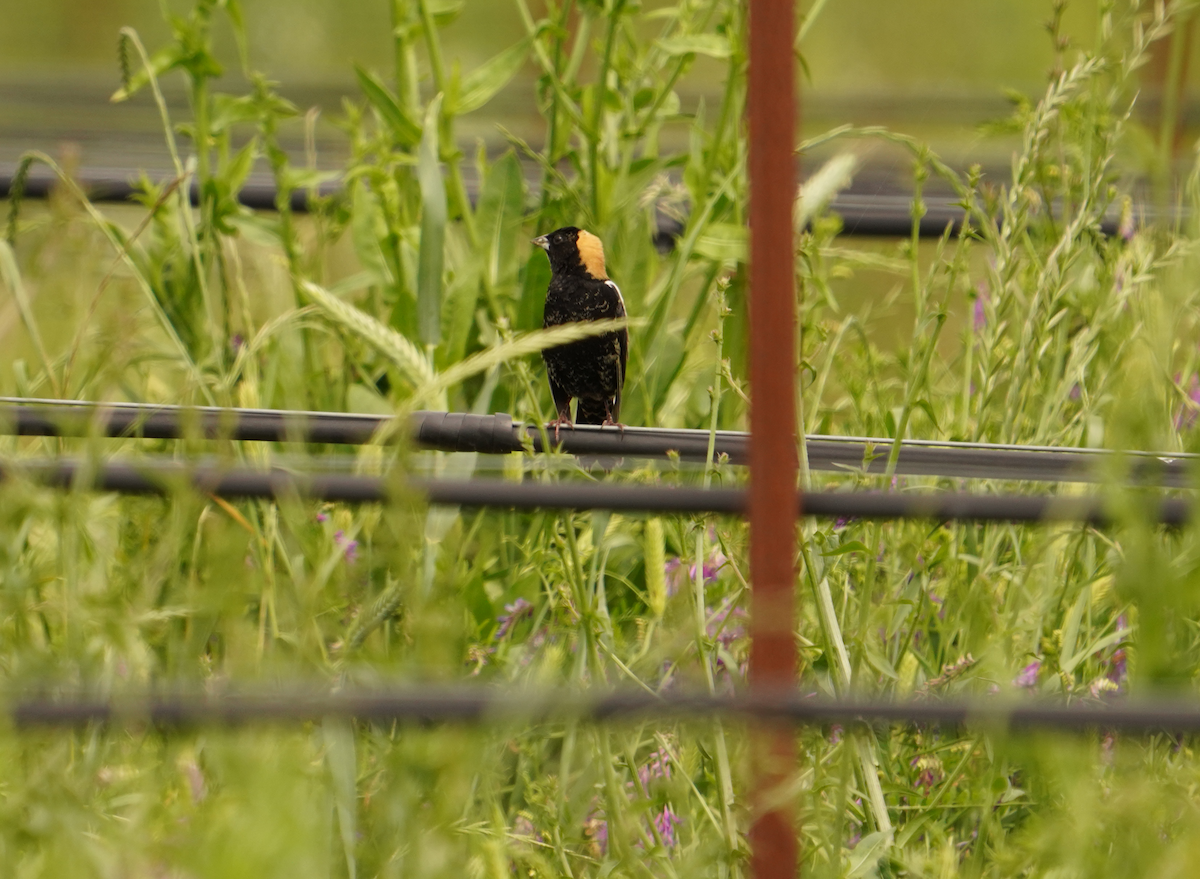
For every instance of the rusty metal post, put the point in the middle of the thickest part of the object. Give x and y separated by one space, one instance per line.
771 105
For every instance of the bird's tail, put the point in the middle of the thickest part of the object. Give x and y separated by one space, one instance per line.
590 411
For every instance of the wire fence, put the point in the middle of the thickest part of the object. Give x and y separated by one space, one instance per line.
430 704
163 476
869 216
498 434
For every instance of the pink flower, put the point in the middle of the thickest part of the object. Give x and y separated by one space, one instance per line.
515 611
349 547
665 822
979 315
1028 676
658 766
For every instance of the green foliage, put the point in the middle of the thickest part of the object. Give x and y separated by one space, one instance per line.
401 290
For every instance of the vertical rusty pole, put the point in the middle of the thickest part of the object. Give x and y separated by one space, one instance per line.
773 458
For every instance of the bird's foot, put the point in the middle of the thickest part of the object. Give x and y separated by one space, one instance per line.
609 422
560 421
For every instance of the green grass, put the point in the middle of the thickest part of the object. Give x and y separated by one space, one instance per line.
400 292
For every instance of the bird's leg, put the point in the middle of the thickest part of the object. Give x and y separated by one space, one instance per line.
563 420
562 403
609 421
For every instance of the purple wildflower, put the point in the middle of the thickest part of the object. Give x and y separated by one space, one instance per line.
930 771
724 629
712 567
980 310
856 836
658 766
322 517
515 611
1108 747
349 547
835 733
665 822
1028 676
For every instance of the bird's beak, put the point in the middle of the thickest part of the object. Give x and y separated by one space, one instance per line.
543 242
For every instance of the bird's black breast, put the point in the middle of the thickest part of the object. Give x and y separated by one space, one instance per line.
590 368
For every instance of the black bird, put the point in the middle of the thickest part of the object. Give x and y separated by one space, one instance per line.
591 370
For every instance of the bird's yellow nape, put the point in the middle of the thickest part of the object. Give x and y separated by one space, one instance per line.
591 254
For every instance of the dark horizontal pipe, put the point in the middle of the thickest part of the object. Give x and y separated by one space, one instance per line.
119 185
460 704
875 215
155 476
497 434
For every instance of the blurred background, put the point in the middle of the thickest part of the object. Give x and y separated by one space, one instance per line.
937 69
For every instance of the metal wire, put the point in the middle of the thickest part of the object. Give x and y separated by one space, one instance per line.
462 704
497 434
158 476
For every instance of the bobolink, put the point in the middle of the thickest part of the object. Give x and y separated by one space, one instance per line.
591 370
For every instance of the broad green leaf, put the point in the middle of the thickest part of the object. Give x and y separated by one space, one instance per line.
241 165
343 770
303 178
533 291
229 110
877 659
366 231
1094 647
849 546
481 84
712 45
500 218
433 230
444 11
461 295
867 853
404 129
722 242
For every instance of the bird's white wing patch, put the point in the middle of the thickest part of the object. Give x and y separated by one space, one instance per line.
617 290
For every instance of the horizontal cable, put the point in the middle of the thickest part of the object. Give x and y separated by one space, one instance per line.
159 476
874 215
497 434
460 704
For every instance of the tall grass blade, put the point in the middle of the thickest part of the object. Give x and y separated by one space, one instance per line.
404 354
433 231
